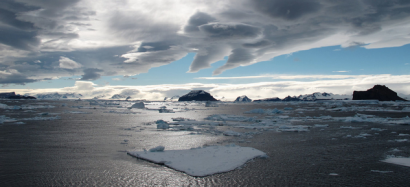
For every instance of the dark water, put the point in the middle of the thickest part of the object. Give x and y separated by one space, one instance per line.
89 150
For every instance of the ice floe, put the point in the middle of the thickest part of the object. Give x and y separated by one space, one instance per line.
139 105
202 161
161 124
398 160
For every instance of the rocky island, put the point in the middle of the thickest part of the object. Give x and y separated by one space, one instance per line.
197 95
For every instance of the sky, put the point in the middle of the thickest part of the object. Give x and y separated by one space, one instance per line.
162 48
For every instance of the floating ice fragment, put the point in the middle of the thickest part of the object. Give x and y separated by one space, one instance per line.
157 149
211 104
202 161
293 128
139 105
320 125
164 109
398 161
231 133
161 124
378 171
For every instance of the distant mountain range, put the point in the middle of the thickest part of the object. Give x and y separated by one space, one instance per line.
378 92
56 96
13 95
309 97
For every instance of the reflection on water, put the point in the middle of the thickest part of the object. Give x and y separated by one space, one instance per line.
89 150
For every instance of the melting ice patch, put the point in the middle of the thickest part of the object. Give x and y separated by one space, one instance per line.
202 161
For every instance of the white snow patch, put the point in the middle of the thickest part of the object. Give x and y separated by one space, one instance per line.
202 161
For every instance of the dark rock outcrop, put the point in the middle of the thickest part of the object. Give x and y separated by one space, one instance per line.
197 95
378 92
289 98
268 99
12 95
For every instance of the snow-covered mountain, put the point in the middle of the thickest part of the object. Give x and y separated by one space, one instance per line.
57 96
310 97
119 96
268 99
324 96
243 98
173 98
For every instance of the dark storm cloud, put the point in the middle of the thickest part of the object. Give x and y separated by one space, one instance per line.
50 7
196 20
208 55
238 57
15 79
258 44
10 18
24 40
288 10
91 74
230 31
155 46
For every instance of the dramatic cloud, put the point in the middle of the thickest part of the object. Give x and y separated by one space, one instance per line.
14 77
67 63
76 37
91 74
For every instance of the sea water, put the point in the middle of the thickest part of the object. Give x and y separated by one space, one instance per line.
73 143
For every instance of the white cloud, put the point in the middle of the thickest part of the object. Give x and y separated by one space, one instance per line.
67 63
287 77
340 71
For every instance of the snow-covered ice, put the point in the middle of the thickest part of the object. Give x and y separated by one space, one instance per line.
202 161
398 160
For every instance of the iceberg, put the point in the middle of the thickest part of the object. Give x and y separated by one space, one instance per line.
139 105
